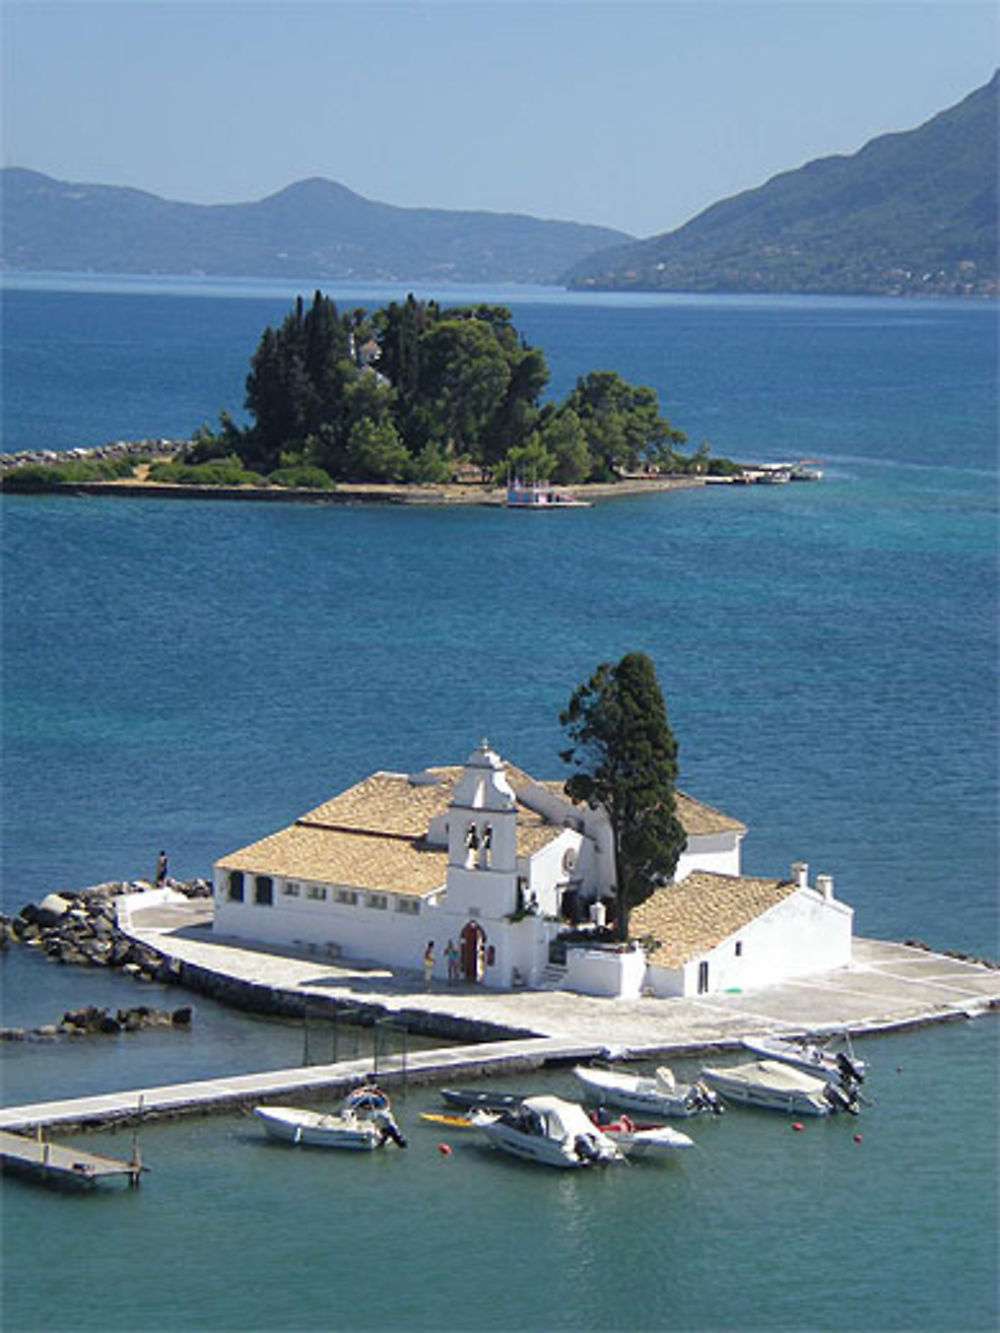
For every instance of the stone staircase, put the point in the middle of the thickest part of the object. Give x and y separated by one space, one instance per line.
553 977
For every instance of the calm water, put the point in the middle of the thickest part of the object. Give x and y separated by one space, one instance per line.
192 675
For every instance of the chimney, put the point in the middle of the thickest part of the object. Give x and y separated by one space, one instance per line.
824 885
800 874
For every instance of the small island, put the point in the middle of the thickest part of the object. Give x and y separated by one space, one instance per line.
407 400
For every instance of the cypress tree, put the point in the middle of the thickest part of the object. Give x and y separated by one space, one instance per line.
626 755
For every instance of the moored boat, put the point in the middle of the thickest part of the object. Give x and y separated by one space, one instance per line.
638 1139
365 1122
836 1066
550 1131
481 1099
540 495
778 1087
659 1095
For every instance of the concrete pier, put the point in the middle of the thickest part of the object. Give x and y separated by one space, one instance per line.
888 986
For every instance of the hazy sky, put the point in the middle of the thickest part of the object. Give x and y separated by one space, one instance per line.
632 113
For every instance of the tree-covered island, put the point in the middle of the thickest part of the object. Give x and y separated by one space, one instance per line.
416 394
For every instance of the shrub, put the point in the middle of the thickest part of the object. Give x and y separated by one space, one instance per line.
301 476
223 472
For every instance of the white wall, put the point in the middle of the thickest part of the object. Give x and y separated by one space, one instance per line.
606 972
802 936
715 852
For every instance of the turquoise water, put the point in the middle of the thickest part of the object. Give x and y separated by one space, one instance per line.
192 675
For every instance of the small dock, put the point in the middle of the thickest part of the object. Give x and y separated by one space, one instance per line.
56 1164
227 1094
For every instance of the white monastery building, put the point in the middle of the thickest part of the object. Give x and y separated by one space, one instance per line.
518 879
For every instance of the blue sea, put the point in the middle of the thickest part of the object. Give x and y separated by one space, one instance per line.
192 675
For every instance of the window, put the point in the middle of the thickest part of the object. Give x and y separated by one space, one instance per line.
348 896
410 906
739 948
236 886
290 889
263 890
316 892
702 978
377 900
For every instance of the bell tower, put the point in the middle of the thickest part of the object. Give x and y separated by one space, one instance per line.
482 837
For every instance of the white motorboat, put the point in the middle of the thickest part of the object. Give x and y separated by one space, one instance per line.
539 495
779 1087
836 1066
365 1122
550 1131
641 1140
659 1095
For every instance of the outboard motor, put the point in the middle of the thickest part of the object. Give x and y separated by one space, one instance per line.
842 1099
389 1129
586 1149
849 1072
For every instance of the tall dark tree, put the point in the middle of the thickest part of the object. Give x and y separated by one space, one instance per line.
626 755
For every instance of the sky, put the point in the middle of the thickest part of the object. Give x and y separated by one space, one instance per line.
632 114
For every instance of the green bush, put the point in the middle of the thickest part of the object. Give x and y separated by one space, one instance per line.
301 476
223 472
34 477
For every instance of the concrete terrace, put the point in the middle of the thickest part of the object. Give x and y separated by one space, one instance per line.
888 986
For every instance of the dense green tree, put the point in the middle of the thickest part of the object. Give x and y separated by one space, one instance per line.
622 423
562 436
626 756
405 391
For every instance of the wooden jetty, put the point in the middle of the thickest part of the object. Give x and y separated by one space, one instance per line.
57 1164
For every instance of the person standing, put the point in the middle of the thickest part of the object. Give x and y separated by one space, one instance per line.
161 870
451 953
428 963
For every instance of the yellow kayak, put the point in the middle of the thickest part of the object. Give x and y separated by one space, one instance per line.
452 1121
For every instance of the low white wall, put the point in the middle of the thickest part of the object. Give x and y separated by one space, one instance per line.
606 972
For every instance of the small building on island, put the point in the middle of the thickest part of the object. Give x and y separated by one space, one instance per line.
518 879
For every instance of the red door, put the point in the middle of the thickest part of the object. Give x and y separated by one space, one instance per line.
473 947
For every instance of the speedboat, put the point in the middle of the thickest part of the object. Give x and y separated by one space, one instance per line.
822 1061
365 1122
550 1131
779 1087
660 1095
482 1099
637 1139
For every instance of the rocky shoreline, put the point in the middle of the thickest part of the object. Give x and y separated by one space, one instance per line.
80 926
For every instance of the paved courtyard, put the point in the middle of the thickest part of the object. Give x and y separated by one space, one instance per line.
888 985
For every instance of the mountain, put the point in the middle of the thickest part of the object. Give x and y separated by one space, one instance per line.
910 213
314 229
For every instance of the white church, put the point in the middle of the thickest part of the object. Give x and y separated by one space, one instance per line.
509 881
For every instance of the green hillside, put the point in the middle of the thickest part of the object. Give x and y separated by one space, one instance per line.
910 213
315 228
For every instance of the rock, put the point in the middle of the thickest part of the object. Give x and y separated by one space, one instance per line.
181 1018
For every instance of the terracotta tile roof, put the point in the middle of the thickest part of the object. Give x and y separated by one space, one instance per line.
696 816
354 860
689 918
372 835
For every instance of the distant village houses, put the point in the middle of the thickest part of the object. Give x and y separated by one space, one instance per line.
519 879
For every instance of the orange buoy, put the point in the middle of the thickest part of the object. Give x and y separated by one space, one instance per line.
444 1149
796 1124
857 1138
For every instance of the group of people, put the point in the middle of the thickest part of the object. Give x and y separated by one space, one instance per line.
451 956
